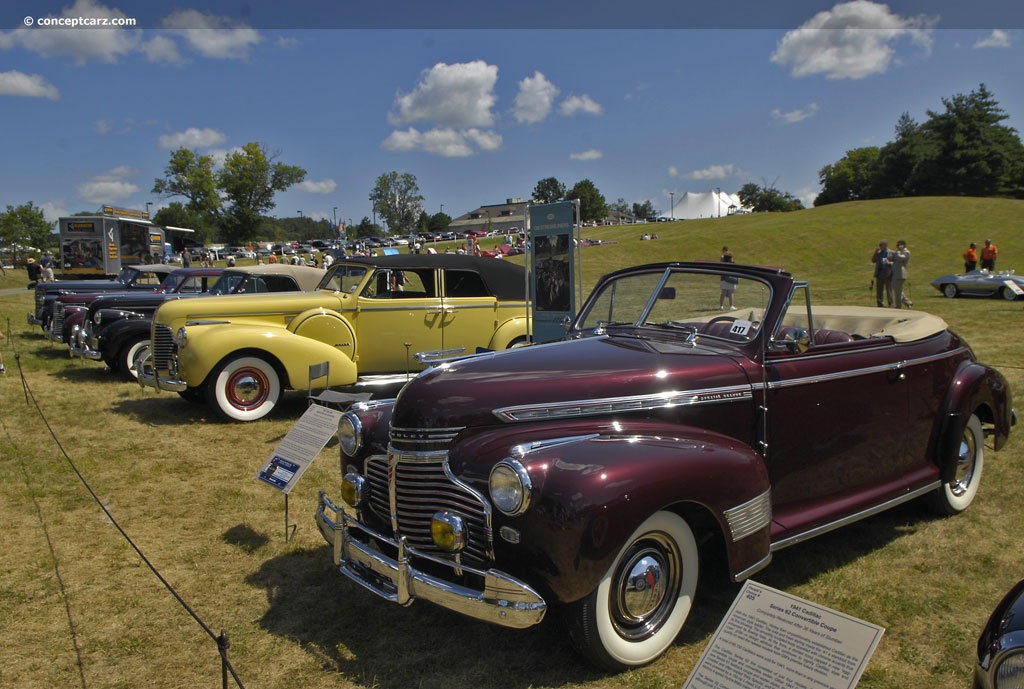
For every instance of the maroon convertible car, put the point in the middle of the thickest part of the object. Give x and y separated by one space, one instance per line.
597 474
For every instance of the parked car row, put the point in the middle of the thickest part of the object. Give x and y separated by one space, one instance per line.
600 475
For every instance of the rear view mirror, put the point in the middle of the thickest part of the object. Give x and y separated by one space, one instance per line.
667 293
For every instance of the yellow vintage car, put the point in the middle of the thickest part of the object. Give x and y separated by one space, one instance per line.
368 318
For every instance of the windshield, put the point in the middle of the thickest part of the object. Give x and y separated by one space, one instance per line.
716 305
171 282
343 277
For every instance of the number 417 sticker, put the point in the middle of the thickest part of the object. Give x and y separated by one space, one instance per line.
740 327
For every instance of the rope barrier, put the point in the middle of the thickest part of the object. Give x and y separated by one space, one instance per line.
220 639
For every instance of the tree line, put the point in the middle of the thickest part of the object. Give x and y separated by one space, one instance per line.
962 150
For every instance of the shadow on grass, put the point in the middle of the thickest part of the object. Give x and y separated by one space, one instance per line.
375 643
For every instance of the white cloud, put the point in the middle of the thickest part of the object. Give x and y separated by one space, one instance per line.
711 172
535 99
81 44
448 143
192 138
450 96
997 39
592 154
15 83
853 40
577 104
161 49
325 186
111 186
212 36
54 210
794 116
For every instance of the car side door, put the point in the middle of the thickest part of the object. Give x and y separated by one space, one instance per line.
398 314
836 419
469 311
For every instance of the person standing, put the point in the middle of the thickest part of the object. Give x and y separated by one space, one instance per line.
900 259
882 258
971 258
35 272
988 256
727 283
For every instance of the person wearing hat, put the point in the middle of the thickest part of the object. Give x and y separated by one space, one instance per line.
35 271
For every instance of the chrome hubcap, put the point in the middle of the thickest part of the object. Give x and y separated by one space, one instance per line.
964 465
247 389
645 588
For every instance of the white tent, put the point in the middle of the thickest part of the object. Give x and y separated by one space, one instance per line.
704 204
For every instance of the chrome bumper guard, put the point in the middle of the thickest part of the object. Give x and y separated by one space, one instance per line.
79 345
32 320
504 601
149 378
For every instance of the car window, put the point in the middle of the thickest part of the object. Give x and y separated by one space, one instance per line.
192 285
399 284
709 304
280 283
343 277
464 283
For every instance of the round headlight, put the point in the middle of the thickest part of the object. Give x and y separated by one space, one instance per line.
181 337
350 434
97 318
510 487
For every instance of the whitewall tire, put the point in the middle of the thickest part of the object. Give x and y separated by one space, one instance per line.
245 388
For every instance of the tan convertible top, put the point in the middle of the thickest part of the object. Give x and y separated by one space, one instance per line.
903 325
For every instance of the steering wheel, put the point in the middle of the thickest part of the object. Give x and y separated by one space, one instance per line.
717 319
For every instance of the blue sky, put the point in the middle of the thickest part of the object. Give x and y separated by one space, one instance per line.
656 99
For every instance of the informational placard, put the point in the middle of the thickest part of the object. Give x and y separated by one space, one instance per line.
553 268
772 640
296 452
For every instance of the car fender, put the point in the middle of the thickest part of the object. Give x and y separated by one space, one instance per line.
326 326
508 332
292 354
632 472
975 389
113 336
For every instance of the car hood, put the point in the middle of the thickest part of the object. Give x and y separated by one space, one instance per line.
570 379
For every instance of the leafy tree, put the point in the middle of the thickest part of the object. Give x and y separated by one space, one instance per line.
975 155
24 225
592 203
620 205
365 228
397 200
645 210
768 199
549 190
439 222
177 214
850 178
191 175
894 173
248 181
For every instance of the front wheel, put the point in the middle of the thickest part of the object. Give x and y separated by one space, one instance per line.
245 388
643 600
131 354
950 290
956 495
1008 294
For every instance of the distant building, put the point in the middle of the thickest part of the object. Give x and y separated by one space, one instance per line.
501 218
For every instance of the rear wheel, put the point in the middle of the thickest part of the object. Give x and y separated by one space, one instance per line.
245 388
956 495
950 290
642 602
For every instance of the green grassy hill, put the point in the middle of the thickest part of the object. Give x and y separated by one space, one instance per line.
830 246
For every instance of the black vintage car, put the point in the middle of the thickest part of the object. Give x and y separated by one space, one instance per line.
145 278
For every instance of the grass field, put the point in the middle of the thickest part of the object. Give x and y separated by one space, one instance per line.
81 608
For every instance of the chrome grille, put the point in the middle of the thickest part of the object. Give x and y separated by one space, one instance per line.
163 347
423 486
40 300
57 322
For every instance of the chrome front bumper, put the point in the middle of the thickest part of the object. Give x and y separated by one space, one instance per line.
149 378
80 346
504 601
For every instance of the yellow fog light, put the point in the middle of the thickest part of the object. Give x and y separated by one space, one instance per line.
448 531
353 490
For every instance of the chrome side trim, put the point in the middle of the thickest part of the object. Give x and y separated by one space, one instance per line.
855 373
614 405
753 569
750 517
832 526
